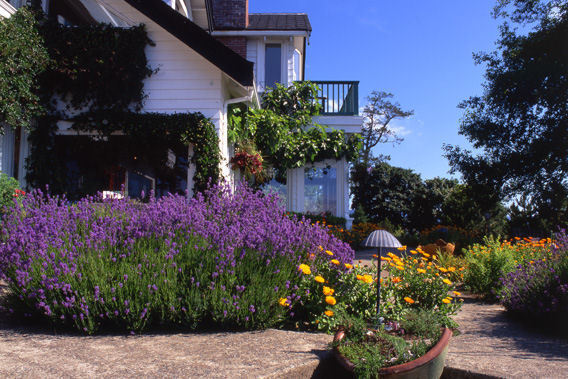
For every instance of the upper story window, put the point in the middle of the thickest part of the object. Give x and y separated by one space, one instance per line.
273 64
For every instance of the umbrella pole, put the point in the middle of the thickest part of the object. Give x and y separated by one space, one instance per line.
379 287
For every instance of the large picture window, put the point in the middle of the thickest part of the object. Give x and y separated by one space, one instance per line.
272 64
320 190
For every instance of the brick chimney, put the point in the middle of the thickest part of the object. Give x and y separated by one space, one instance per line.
230 14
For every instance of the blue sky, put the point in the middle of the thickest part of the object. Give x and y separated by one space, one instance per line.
421 51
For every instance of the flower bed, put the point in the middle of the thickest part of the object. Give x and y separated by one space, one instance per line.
537 290
220 260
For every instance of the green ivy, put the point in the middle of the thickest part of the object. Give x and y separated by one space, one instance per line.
100 69
283 131
22 58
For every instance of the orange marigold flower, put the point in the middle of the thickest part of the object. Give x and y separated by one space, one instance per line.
456 293
401 268
284 302
396 279
348 265
319 279
368 279
305 269
409 300
446 300
413 252
422 271
447 281
328 291
330 300
328 252
328 313
335 261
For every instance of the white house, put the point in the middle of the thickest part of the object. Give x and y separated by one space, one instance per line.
212 53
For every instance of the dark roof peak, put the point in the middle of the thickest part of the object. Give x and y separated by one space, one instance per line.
279 21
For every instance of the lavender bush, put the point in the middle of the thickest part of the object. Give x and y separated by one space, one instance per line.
538 290
222 259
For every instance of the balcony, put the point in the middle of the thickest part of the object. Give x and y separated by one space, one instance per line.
338 98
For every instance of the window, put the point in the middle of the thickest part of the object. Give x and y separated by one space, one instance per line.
297 57
320 190
272 64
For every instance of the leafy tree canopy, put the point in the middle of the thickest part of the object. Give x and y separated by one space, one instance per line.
520 123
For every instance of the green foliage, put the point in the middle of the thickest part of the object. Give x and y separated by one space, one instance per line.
486 264
282 129
409 203
520 121
8 187
22 59
100 66
385 191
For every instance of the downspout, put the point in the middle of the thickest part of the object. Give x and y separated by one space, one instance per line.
304 60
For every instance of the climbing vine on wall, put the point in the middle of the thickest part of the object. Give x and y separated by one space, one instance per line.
96 83
284 133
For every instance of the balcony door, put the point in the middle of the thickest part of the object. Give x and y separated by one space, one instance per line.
272 64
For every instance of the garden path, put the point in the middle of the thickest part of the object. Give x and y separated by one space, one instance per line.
490 343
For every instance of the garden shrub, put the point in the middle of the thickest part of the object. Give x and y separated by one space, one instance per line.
538 290
487 263
222 259
9 190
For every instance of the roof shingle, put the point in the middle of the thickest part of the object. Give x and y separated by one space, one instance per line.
279 21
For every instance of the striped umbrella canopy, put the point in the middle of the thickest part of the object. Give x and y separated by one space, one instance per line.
381 238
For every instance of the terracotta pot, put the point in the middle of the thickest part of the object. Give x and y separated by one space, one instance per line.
428 366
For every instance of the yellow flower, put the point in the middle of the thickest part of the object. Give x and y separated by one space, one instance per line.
442 269
422 271
409 300
457 293
305 269
328 291
426 255
330 300
329 313
321 248
348 265
447 281
401 248
284 302
335 261
359 277
368 279
446 301
396 279
328 252
413 252
401 268
319 279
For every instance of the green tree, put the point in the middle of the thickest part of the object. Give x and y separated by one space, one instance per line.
520 123
22 58
379 113
428 202
388 192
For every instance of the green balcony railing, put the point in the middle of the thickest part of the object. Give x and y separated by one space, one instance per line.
338 98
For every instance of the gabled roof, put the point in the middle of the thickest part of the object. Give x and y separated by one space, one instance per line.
279 21
196 38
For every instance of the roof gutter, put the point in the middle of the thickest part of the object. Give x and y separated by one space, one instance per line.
251 33
209 12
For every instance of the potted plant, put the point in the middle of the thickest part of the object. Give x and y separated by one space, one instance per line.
417 303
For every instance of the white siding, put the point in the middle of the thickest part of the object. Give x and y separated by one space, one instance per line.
6 10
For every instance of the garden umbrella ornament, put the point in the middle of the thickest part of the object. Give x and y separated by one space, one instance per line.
380 239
